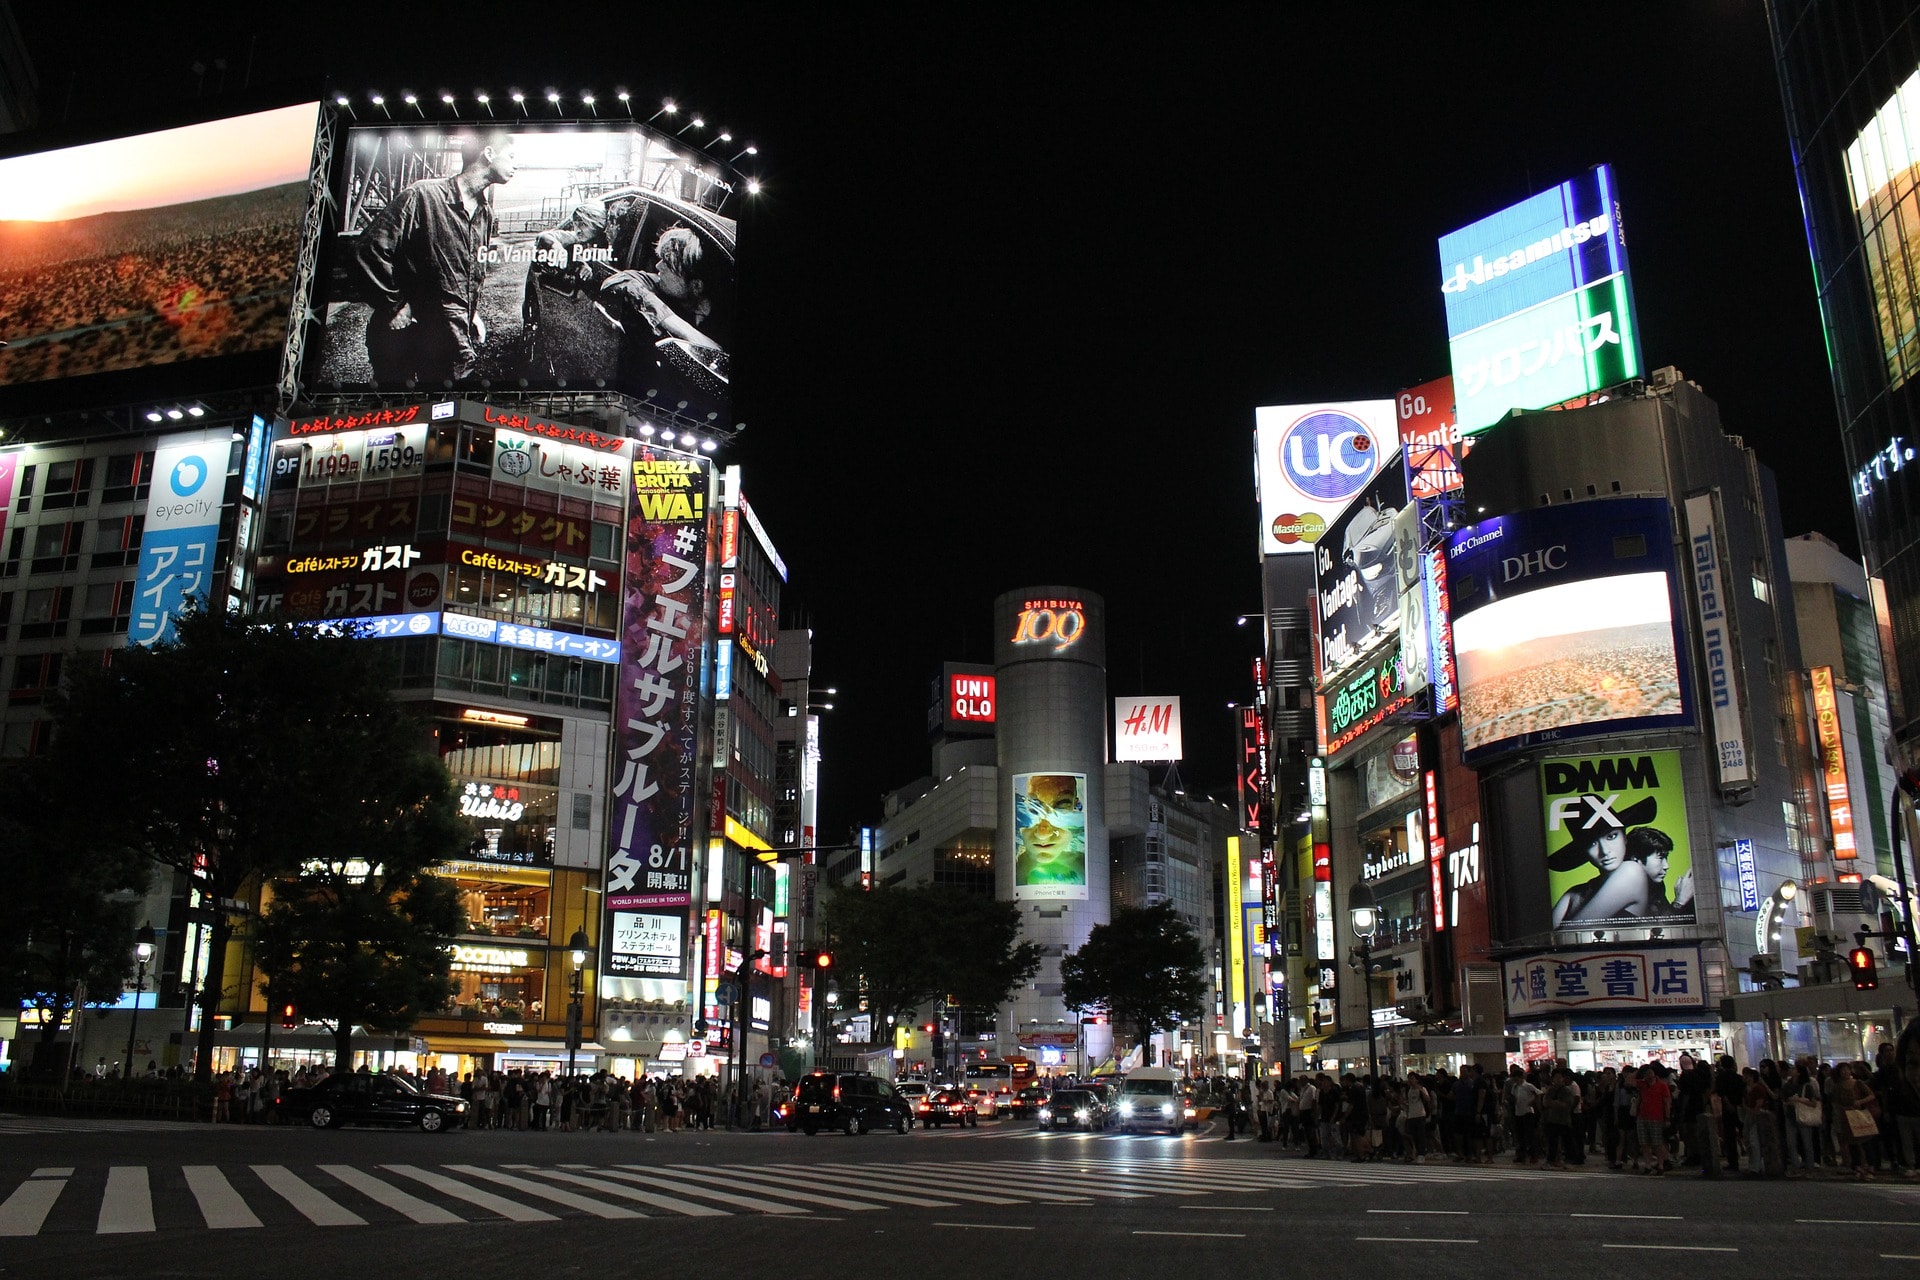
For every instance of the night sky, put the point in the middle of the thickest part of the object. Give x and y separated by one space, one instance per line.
1020 276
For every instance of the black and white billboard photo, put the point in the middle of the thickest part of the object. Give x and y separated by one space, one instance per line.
582 257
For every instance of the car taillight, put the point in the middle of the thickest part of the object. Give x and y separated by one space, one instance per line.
836 1093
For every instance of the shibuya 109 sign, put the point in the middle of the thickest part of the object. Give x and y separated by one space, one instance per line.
1539 308
1049 623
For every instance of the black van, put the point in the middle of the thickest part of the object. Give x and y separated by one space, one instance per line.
850 1102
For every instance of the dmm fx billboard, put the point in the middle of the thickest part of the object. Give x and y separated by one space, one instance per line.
1309 461
1538 306
1711 599
1618 847
1563 624
1146 729
182 531
656 733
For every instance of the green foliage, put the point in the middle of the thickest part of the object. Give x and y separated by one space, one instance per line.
1146 969
252 748
911 946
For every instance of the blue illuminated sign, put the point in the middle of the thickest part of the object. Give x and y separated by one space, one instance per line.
723 670
1539 310
464 626
1749 878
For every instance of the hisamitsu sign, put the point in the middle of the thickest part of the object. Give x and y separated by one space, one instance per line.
1642 978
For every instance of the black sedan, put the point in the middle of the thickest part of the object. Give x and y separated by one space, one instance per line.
1027 1102
1073 1109
948 1106
370 1099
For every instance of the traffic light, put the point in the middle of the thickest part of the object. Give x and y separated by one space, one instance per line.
1866 975
927 1027
289 1016
823 960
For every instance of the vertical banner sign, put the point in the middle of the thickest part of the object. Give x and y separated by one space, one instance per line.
1749 875
1236 940
183 524
656 730
1436 852
9 468
1716 642
1249 769
1833 764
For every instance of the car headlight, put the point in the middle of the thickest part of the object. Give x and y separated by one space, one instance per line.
1166 1108
1126 1108
1046 1113
459 1106
1081 1114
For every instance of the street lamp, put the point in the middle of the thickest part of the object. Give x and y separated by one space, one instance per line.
143 954
577 951
1366 917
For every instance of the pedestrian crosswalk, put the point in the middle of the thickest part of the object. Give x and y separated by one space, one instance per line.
11 1124
135 1199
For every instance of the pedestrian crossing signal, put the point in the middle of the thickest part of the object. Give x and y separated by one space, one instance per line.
289 1016
1866 975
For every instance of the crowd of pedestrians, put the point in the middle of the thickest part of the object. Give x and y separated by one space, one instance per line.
1795 1120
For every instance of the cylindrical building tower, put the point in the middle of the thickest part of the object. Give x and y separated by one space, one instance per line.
1051 857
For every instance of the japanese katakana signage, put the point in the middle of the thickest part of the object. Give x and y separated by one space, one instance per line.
1643 978
1538 306
657 710
182 530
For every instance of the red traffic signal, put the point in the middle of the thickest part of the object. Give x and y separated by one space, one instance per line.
1866 975
927 1027
823 960
289 1016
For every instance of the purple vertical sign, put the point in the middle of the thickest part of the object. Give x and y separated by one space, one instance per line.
656 729
9 467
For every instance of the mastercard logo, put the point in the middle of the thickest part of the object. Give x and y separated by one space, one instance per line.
1288 528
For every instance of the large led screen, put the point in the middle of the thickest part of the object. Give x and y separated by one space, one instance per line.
1050 835
1538 306
1310 459
1360 566
1563 624
152 249
585 257
1882 164
1618 848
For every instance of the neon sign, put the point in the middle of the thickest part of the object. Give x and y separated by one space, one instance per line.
1060 622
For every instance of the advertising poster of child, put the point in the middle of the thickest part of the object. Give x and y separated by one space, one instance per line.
1050 835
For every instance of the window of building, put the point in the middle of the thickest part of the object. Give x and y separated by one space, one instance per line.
498 982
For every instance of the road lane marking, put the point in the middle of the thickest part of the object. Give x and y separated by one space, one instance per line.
1858 1222
606 1188
219 1203
1455 1213
473 1195
1633 1217
61 1171
980 1183
982 1226
693 1209
1677 1248
947 1186
586 1204
1231 1208
127 1206
1416 1240
1209 1235
688 1173
392 1197
318 1208
23 1212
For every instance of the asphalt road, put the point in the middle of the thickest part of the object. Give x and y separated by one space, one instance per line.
109 1199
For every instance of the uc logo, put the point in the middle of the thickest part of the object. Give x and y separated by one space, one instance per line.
1328 455
188 475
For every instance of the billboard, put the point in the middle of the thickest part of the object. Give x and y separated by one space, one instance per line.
1538 306
1643 978
1146 729
1618 848
1430 438
1050 835
1051 624
1833 764
1367 553
656 734
167 246
1310 459
587 256
1880 164
182 531
1563 624
1722 693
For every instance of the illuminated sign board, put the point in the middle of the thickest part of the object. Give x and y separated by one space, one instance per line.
1050 836
1236 940
1833 764
1436 852
1366 699
176 245
1563 624
1146 729
182 527
970 698
1749 874
1716 642
626 283
1309 462
1056 624
463 626
1367 553
1539 310
489 959
488 800
1646 977
1430 440
646 943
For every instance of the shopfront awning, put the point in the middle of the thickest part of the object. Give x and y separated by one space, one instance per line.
1821 1000
1344 1039
1307 1042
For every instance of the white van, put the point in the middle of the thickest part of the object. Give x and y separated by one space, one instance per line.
1152 1098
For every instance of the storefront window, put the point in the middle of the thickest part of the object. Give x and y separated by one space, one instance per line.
498 983
498 907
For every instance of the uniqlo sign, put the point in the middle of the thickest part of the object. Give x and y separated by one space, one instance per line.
970 698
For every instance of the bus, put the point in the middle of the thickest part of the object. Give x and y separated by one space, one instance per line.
1003 1077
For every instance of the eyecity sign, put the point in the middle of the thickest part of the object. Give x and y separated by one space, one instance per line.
1539 309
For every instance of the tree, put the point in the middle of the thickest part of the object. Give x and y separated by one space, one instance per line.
1145 969
67 919
909 946
251 748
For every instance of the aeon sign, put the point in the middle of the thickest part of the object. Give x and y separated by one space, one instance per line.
1311 460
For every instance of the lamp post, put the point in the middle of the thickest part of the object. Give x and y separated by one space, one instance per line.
1365 918
143 954
577 948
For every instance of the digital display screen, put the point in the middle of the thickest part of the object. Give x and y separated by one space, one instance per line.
1617 841
1050 835
1563 624
576 256
1362 566
1881 164
152 249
